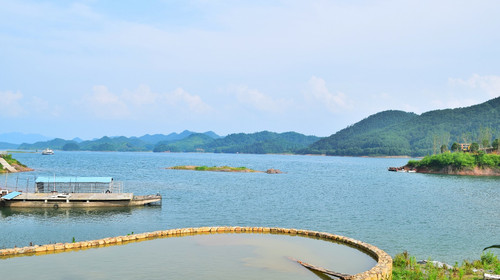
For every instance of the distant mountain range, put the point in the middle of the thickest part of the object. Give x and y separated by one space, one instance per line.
18 138
264 142
118 143
388 133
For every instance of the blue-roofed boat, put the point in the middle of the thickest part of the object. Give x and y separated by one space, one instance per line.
69 192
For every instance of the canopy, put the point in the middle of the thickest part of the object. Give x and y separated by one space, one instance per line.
74 180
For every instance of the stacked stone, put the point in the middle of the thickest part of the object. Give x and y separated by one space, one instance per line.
383 269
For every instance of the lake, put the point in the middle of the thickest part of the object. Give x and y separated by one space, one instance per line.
447 218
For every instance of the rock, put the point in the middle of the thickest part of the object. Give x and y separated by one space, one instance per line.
273 171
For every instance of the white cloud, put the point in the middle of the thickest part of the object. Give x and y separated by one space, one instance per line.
319 92
143 103
488 84
141 96
10 105
106 105
259 100
194 102
42 107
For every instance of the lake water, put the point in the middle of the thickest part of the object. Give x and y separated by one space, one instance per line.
447 218
214 256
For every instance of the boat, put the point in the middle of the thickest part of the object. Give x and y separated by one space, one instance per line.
47 152
76 192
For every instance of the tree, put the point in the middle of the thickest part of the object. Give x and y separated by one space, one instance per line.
455 147
495 144
474 147
484 136
444 148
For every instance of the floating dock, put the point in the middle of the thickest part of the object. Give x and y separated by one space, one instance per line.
70 192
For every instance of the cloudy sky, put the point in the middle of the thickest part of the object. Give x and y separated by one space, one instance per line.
93 68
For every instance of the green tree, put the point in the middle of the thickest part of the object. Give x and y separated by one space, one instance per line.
495 144
455 147
474 147
444 148
484 136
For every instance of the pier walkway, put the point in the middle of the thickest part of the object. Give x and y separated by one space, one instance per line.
6 165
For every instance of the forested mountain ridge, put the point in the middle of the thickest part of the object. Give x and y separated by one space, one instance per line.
120 143
393 133
255 143
263 142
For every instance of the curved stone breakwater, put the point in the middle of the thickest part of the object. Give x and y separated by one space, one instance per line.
383 269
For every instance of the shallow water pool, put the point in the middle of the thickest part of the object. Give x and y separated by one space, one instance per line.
209 256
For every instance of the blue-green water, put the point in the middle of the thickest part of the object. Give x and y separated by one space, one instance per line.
448 218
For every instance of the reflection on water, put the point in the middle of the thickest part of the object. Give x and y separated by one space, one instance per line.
65 212
213 256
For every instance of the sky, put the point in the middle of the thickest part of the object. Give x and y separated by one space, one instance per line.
94 68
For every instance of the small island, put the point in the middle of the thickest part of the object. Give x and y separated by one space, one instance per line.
458 163
223 169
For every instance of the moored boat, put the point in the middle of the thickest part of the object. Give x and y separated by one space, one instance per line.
47 152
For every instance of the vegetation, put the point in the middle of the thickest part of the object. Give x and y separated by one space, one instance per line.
393 133
193 143
406 267
10 160
213 168
264 142
457 161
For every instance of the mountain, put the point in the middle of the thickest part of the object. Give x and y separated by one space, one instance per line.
264 142
193 143
394 133
212 135
18 138
55 144
121 143
5 145
172 137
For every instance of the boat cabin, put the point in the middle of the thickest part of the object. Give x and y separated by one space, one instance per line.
77 185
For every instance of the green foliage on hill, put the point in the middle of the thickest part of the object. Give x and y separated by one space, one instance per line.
192 143
55 144
10 160
264 142
121 143
393 133
458 160
255 143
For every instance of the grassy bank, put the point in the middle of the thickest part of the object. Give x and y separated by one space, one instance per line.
12 161
213 168
406 267
457 160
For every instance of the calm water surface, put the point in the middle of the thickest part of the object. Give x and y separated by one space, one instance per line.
215 256
448 218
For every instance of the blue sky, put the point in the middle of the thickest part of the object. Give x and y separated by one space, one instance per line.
93 68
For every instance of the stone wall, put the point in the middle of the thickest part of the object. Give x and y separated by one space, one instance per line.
383 269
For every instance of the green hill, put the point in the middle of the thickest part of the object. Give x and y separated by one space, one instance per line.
264 142
55 144
394 133
193 143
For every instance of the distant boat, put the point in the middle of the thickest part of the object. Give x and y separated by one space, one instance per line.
47 152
